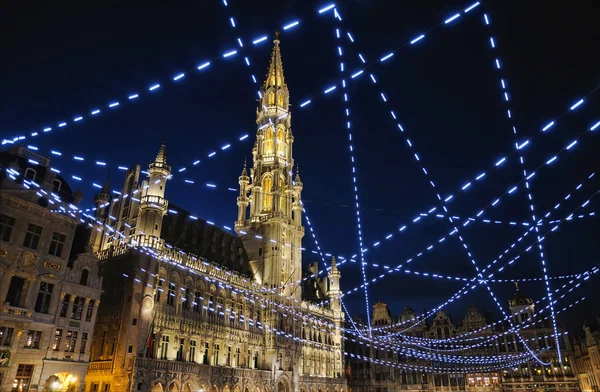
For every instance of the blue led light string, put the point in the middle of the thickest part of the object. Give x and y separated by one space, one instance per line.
504 91
469 286
444 207
155 86
353 164
466 288
482 175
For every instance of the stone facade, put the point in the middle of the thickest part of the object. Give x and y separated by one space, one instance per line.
526 376
49 287
587 358
188 306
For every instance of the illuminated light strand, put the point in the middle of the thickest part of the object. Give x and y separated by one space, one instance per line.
453 343
498 163
152 88
486 338
354 176
354 75
594 270
532 204
469 286
443 202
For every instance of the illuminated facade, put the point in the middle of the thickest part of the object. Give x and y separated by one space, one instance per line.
49 281
188 306
587 358
526 376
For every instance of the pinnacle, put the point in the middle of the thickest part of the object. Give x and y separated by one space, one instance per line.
161 157
275 74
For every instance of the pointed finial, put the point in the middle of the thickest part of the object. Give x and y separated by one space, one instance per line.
333 265
244 172
297 179
276 41
517 286
106 187
161 157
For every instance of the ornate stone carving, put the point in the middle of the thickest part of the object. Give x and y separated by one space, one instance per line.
26 262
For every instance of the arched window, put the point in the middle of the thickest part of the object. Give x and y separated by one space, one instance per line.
84 277
269 141
56 184
271 100
280 141
30 174
282 198
446 332
268 193
439 333
280 99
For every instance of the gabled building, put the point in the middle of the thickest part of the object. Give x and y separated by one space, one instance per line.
421 337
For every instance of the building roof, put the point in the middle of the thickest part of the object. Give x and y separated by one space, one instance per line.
205 240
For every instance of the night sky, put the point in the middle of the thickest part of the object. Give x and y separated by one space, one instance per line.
65 60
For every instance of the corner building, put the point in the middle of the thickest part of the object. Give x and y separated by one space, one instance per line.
49 280
188 306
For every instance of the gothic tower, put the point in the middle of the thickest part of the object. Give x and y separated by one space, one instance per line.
273 197
153 205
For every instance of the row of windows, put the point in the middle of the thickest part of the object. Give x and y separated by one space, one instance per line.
70 339
32 236
231 358
16 293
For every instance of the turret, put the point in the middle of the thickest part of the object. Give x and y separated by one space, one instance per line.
521 306
242 200
153 205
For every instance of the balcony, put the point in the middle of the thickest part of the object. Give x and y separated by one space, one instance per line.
154 201
161 365
100 366
16 313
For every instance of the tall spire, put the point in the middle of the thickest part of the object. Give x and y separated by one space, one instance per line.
275 74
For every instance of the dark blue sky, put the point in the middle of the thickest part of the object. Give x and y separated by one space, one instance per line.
62 61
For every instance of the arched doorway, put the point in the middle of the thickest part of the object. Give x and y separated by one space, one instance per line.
173 388
157 387
187 388
282 387
226 388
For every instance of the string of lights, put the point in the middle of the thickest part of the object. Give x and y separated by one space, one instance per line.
444 207
504 91
154 87
353 164
503 253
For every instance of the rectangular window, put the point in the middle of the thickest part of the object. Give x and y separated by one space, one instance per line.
171 294
23 377
57 244
90 311
228 361
42 304
32 237
7 224
205 359
77 308
180 350
6 335
192 353
57 339
84 339
216 355
65 305
70 341
33 339
164 347
15 291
